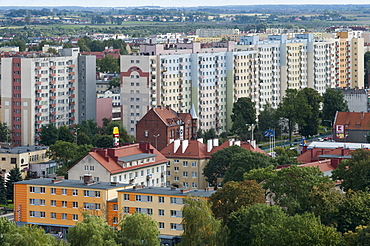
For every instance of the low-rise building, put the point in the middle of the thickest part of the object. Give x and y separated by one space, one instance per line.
138 164
351 127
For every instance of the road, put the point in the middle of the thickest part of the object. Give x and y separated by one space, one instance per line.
10 216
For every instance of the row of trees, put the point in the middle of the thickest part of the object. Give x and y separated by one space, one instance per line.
6 187
300 108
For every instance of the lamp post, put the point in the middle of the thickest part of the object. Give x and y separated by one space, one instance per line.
156 140
331 126
251 128
76 132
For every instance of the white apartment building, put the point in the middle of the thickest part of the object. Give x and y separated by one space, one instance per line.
40 89
212 79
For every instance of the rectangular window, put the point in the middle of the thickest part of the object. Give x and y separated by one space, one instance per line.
161 212
64 204
42 190
161 199
194 174
176 200
32 201
150 199
53 203
97 193
91 168
126 210
64 192
194 185
53 191
149 211
184 163
75 217
42 202
138 198
115 220
138 210
115 207
86 193
97 206
64 216
75 204
126 197
53 215
161 225
32 214
42 214
75 192
86 168
184 174
33 189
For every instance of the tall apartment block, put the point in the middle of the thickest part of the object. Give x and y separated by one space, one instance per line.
38 89
211 79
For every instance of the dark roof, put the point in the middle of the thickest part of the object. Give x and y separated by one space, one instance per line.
72 184
135 157
169 191
22 149
335 156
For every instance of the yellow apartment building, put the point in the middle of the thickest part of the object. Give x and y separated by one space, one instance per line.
163 204
57 204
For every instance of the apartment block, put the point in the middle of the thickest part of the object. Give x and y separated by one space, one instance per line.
41 88
57 204
212 77
138 164
163 204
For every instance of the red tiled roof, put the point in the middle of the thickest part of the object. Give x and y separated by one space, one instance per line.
313 154
244 145
353 120
324 165
107 157
195 149
168 115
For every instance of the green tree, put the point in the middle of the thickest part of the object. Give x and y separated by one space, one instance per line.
200 227
89 127
234 195
333 101
14 176
355 172
67 154
64 134
138 229
48 134
268 225
359 237
244 112
115 82
293 107
105 141
268 118
82 139
93 230
5 133
290 187
286 156
219 163
122 131
107 64
245 161
309 126
3 191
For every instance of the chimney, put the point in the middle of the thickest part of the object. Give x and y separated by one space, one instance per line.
57 179
200 140
362 115
215 142
231 142
253 143
87 179
171 140
209 145
304 149
176 145
237 143
144 146
185 144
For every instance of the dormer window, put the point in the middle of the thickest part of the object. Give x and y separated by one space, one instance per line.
358 125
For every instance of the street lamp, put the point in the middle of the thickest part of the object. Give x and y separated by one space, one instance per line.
76 129
331 126
156 140
251 128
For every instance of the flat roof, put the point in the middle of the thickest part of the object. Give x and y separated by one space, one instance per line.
335 156
169 191
334 145
22 149
136 157
73 184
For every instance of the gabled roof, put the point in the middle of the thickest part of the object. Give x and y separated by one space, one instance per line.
244 145
109 158
194 150
353 120
169 116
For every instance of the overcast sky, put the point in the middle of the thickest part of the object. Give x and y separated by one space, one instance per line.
167 3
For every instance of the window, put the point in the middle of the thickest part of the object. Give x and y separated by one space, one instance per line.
53 203
64 204
115 207
176 161
149 211
32 189
184 174
53 215
176 169
64 216
91 168
97 206
126 210
64 191
42 190
42 214
150 199
161 199
161 225
194 185
138 210
194 174
184 163
176 178
75 192
32 201
126 197
32 214
176 200
42 202
86 168
115 220
13 160
53 191
97 193
75 217
194 164
86 193
75 205
161 212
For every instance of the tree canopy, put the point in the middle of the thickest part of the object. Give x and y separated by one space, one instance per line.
309 125
14 176
333 101
244 112
48 134
5 133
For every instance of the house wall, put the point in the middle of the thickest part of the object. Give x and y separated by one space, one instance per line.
97 171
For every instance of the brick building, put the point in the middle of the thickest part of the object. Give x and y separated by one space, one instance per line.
161 125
